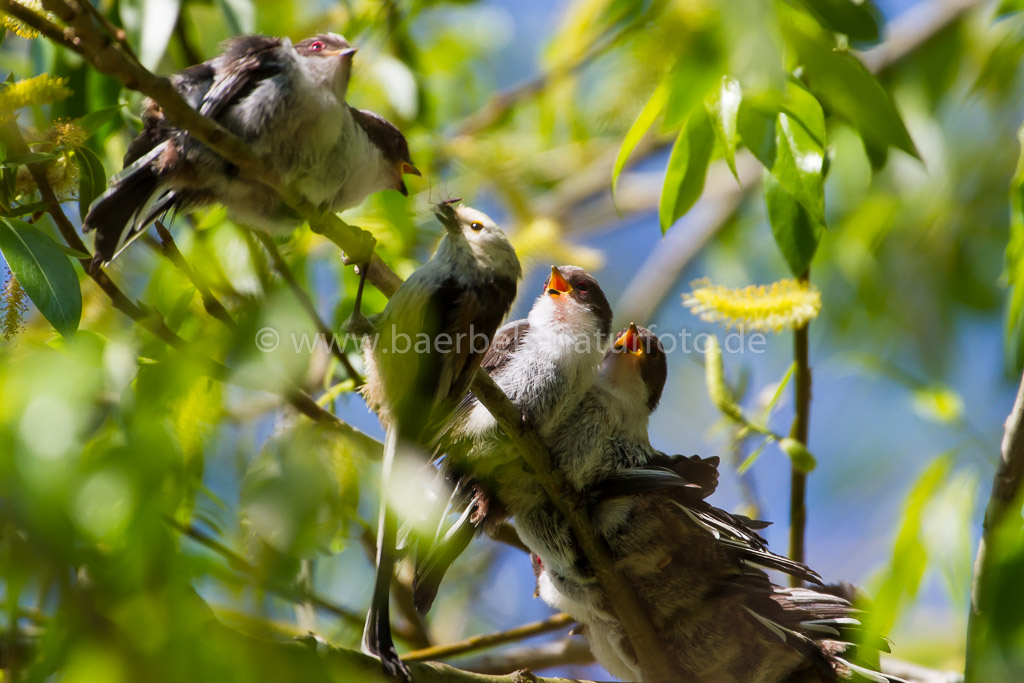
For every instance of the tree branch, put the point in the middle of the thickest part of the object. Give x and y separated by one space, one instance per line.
564 652
1004 499
211 303
482 642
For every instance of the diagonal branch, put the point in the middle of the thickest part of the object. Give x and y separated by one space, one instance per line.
211 303
281 266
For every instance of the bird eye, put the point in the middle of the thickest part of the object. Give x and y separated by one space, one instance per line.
582 288
477 226
316 46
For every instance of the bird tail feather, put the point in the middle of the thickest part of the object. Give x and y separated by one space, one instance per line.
134 199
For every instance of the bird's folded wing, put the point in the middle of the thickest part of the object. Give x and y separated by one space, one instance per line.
251 60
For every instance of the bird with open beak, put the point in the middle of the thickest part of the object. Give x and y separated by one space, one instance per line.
288 103
544 364
697 569
426 345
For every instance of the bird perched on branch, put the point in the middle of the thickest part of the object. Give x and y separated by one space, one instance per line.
697 570
543 363
425 348
288 103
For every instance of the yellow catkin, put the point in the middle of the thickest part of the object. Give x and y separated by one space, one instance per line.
68 133
41 89
62 174
20 28
15 305
782 305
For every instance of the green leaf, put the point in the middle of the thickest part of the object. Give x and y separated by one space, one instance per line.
28 158
858 20
74 253
799 163
44 272
749 461
910 556
25 209
799 456
847 88
783 383
92 179
640 126
95 120
796 232
723 107
687 168
755 123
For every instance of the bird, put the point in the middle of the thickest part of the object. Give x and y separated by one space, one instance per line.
454 303
541 362
287 102
697 570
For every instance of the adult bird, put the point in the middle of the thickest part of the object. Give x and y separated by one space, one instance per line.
421 356
288 103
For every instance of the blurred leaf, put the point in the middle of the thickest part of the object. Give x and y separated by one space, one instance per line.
1013 272
723 108
158 20
938 403
843 84
902 578
859 20
714 376
640 126
95 120
25 209
92 179
239 15
779 389
301 490
795 231
1002 62
687 168
44 272
28 158
798 454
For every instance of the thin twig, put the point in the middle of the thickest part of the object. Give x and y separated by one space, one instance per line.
297 594
565 652
211 303
483 642
799 431
281 266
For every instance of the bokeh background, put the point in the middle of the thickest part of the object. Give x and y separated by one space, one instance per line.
520 107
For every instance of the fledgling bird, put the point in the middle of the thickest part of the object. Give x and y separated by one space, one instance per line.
697 570
543 363
288 103
453 303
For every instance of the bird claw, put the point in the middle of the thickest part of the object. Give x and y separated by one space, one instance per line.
394 667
